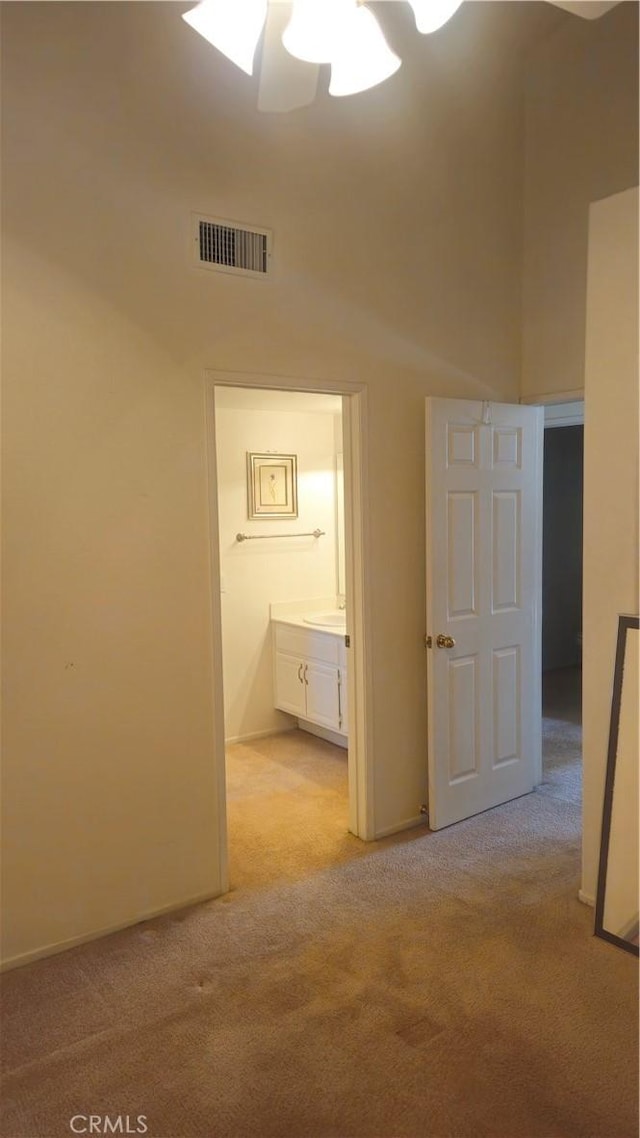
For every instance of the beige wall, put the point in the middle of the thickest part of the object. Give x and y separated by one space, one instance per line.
396 220
257 574
108 785
581 134
611 484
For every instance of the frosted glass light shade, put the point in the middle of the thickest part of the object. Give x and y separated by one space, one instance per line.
233 26
315 28
432 14
362 57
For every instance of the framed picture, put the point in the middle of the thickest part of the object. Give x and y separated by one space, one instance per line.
272 485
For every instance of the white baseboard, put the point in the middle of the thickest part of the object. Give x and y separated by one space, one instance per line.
258 735
85 938
408 824
586 898
324 733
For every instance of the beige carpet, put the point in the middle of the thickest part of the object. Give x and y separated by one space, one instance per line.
444 985
287 809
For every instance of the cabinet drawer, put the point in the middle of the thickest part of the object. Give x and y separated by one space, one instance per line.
323 646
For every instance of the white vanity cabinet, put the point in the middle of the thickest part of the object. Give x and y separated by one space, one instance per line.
310 678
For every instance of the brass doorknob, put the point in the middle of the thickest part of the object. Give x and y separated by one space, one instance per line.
445 641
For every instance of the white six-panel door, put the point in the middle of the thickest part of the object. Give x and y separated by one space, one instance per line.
484 558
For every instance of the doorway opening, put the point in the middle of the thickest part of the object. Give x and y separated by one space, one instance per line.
287 534
562 601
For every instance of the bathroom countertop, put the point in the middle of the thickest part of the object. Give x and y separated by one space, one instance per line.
297 619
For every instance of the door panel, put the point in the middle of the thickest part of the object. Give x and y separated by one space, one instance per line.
461 545
506 550
507 448
484 508
463 719
506 705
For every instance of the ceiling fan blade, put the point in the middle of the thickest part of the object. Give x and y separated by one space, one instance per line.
588 9
285 82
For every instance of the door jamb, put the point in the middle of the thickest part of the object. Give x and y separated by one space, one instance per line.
561 409
564 414
357 545
549 398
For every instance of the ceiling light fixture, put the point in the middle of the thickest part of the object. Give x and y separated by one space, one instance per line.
233 26
362 57
314 28
432 14
343 33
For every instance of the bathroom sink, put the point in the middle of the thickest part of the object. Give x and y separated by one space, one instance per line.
327 619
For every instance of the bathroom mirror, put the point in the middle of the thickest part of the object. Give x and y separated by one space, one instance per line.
617 900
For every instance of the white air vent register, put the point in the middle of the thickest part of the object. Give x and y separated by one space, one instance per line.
231 246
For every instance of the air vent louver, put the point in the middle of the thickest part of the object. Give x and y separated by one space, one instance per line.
232 248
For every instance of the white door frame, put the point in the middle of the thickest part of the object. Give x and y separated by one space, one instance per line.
360 753
549 398
564 415
561 409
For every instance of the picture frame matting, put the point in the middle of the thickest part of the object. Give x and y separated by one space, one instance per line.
272 485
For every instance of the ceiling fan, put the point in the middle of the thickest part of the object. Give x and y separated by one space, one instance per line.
300 35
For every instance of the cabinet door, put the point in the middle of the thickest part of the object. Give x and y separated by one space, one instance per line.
321 683
290 687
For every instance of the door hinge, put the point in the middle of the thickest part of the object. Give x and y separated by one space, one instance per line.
347 641
428 641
